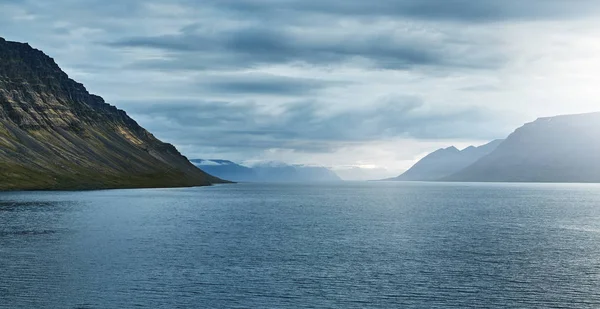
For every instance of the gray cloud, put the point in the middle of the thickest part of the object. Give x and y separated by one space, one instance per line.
252 46
265 84
379 35
302 128
436 10
219 76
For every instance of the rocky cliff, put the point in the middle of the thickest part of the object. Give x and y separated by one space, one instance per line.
56 135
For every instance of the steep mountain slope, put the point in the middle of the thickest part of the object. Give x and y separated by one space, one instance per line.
55 135
266 172
555 149
445 162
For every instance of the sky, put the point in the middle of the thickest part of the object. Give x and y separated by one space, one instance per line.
364 87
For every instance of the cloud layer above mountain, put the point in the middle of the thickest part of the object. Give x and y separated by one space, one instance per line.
340 82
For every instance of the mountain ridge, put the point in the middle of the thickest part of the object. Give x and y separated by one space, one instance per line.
444 162
54 134
550 149
271 171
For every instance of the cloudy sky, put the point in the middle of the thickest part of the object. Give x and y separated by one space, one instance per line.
340 83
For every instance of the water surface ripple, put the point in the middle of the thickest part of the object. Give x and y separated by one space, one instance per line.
354 245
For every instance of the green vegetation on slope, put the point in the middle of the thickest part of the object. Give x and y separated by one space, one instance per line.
55 135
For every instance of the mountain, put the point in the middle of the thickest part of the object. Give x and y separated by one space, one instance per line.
276 172
56 135
316 173
356 173
445 162
226 170
266 172
281 172
555 149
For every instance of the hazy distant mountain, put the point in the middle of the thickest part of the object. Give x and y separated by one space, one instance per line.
315 173
276 172
226 169
54 134
355 173
555 149
266 172
445 162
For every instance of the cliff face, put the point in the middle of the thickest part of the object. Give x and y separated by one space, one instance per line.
445 162
556 149
55 135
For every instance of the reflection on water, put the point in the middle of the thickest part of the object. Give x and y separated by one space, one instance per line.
371 245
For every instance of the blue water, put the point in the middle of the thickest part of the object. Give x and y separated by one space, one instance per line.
356 245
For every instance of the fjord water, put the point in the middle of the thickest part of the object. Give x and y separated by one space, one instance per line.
354 245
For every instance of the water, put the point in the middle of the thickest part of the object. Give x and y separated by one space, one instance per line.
356 245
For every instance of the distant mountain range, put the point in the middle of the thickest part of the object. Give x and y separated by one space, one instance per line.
54 134
553 149
445 162
266 172
359 173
